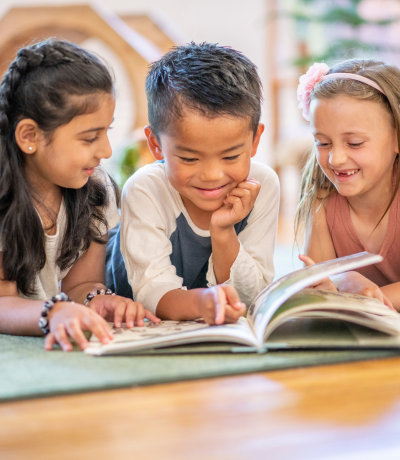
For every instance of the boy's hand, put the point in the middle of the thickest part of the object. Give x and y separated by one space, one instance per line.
221 304
116 308
69 319
237 205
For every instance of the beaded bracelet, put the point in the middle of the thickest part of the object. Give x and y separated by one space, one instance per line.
48 305
93 294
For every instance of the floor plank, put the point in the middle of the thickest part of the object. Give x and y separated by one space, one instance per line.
345 411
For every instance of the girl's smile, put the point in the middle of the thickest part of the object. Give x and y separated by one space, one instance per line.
345 174
356 143
75 149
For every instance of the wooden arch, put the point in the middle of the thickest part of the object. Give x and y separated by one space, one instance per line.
21 26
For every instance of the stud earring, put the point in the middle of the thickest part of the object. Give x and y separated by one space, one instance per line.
29 148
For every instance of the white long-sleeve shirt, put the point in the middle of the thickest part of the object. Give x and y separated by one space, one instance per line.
163 249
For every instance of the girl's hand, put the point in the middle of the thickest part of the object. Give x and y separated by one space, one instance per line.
68 319
325 284
221 304
116 308
355 283
237 205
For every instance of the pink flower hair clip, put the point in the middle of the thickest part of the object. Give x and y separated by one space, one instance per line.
306 85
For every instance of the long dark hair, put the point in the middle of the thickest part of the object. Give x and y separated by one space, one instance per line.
38 85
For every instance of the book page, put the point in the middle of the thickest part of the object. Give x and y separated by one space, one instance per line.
170 333
271 298
152 330
313 303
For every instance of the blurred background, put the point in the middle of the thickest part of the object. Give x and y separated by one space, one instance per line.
282 37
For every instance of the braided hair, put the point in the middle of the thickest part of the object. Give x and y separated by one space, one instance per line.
38 85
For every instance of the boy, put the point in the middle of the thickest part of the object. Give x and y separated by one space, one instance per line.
205 214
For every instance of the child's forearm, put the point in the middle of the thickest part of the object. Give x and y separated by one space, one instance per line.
392 292
225 249
20 316
179 305
78 293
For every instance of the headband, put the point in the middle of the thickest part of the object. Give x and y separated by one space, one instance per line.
315 74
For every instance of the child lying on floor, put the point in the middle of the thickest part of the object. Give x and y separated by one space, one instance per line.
198 227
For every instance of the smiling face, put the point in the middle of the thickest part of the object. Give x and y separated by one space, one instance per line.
206 158
356 144
74 150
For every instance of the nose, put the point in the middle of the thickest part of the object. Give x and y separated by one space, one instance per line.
337 156
105 150
211 173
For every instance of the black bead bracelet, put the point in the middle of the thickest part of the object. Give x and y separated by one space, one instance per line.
93 294
48 305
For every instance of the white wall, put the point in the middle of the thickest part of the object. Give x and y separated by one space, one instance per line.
240 24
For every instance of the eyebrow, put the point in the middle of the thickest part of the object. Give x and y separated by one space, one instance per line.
347 133
95 129
189 150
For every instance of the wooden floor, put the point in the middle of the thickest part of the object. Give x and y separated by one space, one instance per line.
339 412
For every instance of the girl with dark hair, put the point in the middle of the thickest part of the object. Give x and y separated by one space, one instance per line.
56 204
350 194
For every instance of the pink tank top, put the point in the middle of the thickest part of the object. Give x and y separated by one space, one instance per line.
346 240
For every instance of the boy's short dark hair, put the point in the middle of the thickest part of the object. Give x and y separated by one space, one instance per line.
215 80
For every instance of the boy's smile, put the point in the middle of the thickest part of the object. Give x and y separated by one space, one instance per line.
205 159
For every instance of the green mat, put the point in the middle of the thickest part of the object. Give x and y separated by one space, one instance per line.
27 371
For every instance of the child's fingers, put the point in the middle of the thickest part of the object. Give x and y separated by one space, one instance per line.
232 297
75 331
234 201
377 294
240 192
119 312
219 302
243 194
62 337
140 314
100 329
130 313
388 303
249 184
232 315
307 260
149 315
252 186
49 341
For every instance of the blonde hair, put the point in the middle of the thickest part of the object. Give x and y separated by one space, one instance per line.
314 184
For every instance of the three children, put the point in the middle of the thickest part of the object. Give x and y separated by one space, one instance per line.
198 225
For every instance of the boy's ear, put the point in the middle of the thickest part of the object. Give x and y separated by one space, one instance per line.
27 135
153 144
257 138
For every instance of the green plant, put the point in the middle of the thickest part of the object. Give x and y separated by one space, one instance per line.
129 162
340 13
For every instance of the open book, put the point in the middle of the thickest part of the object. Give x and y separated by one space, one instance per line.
284 315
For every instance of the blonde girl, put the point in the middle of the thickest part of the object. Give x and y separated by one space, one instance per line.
350 186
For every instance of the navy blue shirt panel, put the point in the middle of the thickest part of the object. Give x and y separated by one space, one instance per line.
190 255
116 275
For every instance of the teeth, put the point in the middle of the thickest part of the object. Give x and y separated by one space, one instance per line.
349 173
